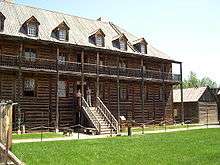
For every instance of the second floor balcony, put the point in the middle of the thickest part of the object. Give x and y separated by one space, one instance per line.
47 65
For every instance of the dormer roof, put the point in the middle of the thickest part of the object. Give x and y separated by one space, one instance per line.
119 37
2 16
98 31
138 41
62 25
32 19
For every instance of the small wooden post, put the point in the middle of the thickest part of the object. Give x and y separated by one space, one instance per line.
118 94
57 92
97 78
82 73
142 91
163 94
181 91
19 87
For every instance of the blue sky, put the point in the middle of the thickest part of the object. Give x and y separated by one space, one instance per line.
188 30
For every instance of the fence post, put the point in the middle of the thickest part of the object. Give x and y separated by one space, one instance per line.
6 126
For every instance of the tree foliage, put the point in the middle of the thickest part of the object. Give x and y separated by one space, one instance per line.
192 81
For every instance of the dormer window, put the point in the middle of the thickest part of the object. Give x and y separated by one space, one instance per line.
2 21
32 30
61 32
97 38
140 45
143 48
123 45
62 35
30 27
120 42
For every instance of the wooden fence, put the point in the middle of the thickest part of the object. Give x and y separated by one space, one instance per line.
6 134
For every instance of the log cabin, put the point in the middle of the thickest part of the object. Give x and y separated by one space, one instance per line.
47 57
200 105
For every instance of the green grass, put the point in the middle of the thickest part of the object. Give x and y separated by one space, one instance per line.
36 136
200 147
157 127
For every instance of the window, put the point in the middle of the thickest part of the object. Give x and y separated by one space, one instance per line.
143 48
30 54
1 24
29 87
32 30
123 92
122 64
61 59
62 89
99 40
62 35
123 45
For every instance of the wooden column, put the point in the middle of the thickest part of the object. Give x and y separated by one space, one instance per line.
142 90
82 73
118 94
19 87
181 92
97 78
57 94
163 92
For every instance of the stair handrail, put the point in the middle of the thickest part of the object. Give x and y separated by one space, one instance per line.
107 113
90 114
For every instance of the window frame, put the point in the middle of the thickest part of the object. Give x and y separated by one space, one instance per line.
33 91
32 29
30 55
124 96
143 48
124 48
99 40
62 34
63 89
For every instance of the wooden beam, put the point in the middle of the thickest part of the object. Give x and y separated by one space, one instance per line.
181 92
19 87
142 90
97 78
57 90
82 73
118 93
163 93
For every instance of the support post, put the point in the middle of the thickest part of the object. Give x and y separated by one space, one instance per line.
181 91
19 87
118 94
97 78
142 90
57 94
163 94
82 73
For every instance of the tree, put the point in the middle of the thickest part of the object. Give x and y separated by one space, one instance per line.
194 82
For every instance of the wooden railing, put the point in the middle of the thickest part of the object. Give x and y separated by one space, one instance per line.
52 65
8 60
107 114
90 115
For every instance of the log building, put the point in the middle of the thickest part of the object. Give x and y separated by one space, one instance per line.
200 105
46 57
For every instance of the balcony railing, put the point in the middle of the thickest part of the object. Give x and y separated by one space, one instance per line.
52 65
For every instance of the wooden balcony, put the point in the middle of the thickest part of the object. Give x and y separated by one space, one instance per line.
46 65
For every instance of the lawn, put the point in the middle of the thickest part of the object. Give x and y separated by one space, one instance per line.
36 135
188 147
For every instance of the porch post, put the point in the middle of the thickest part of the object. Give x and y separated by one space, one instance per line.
97 78
57 94
181 91
19 87
82 73
142 89
163 92
118 94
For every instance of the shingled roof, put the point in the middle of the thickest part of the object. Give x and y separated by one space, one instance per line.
189 94
80 28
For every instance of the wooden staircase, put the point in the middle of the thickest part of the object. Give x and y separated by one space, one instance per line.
100 117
